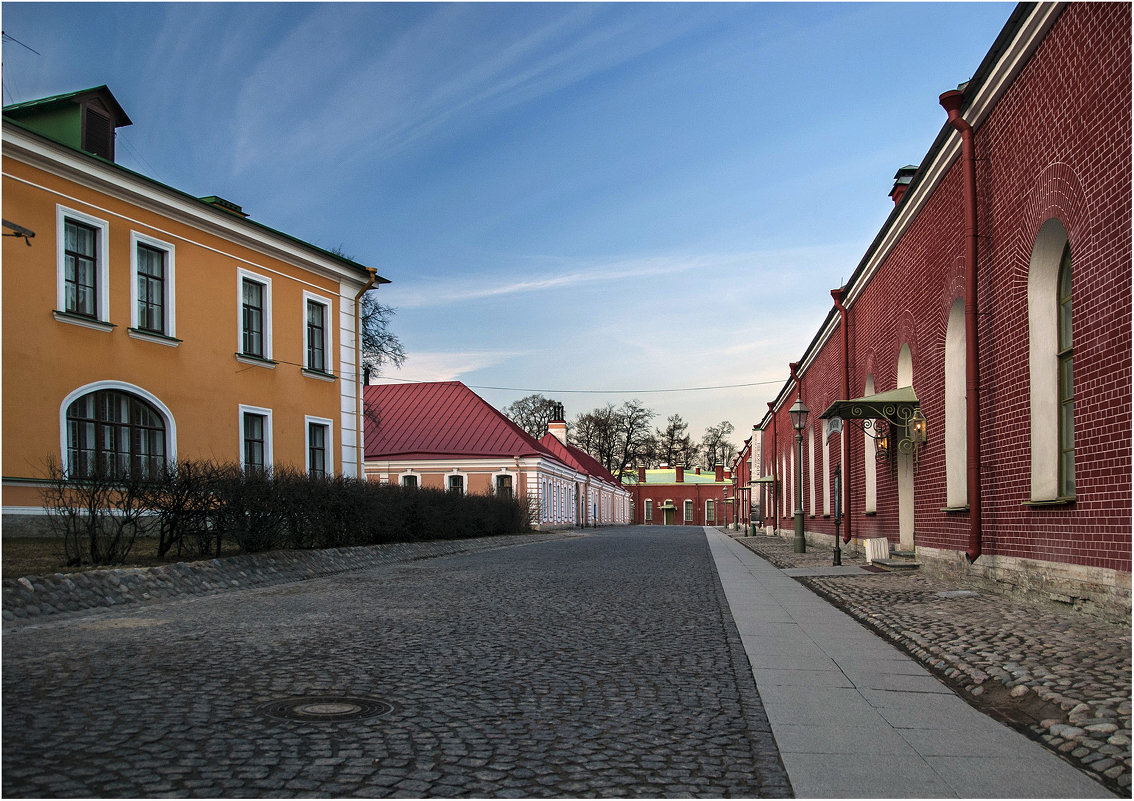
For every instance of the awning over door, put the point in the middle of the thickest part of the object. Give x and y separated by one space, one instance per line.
896 407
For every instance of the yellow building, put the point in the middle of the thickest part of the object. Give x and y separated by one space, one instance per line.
142 324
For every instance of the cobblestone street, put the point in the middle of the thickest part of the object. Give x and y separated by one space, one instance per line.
1062 676
599 665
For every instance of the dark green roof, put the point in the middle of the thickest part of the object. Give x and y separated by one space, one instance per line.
46 103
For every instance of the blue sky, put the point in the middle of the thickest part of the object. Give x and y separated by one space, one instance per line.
592 201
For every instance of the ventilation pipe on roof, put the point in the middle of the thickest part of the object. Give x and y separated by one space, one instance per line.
902 179
951 101
844 320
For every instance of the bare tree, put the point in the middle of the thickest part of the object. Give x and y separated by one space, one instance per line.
380 345
616 436
532 413
715 444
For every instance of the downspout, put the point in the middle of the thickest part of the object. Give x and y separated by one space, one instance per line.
361 447
775 472
951 102
844 322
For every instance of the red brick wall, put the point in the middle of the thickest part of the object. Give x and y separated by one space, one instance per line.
1056 145
679 493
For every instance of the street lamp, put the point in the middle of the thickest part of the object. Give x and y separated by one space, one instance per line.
798 414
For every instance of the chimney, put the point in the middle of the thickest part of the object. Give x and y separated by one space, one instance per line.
641 474
902 180
680 473
557 425
728 475
720 471
697 471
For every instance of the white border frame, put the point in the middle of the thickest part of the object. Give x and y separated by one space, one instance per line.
121 386
241 274
329 468
328 354
242 409
170 321
102 303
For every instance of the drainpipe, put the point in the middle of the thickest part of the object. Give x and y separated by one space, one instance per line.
775 472
951 102
358 368
844 322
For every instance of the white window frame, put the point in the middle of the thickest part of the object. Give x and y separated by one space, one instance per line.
710 502
269 459
266 282
687 511
102 302
464 481
327 352
648 510
120 386
169 323
409 473
515 480
329 468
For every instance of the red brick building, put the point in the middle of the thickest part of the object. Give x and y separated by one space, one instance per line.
995 303
679 497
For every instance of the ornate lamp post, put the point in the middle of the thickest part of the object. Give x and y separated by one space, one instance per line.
798 413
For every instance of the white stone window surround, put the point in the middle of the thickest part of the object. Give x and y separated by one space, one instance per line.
329 446
1043 359
169 311
457 474
266 283
121 386
102 294
328 355
267 415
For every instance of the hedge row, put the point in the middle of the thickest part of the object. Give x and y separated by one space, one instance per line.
195 507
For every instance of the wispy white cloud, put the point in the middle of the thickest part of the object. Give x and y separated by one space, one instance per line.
379 91
447 365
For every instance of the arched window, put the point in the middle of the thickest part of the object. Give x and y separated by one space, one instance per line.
1050 373
1066 381
869 462
113 433
956 410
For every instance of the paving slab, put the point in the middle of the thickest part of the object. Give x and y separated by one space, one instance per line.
854 717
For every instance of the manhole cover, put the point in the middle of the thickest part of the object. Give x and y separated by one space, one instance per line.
326 707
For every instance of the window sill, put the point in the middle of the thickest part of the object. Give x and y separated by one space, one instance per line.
1051 502
258 361
869 514
84 322
955 509
150 336
318 374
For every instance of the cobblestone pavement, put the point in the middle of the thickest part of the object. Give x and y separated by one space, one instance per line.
598 665
1060 676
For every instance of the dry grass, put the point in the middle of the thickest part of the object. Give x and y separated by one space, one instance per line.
31 556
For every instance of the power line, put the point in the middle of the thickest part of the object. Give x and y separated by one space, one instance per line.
9 38
597 391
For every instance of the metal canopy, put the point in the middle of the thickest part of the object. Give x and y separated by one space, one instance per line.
896 406
763 480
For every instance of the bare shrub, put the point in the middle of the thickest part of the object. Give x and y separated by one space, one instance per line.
97 515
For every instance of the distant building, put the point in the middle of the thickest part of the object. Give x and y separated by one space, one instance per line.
142 324
678 496
444 436
971 386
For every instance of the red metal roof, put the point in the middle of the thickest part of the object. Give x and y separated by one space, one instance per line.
577 458
422 421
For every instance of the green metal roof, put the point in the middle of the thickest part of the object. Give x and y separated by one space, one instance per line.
664 476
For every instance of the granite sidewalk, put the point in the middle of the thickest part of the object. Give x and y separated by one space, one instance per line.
855 717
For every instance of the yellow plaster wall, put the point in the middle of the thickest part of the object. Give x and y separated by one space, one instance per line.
200 381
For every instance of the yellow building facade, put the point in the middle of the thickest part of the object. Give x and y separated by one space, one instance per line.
142 324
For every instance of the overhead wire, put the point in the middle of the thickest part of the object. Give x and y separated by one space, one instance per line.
596 391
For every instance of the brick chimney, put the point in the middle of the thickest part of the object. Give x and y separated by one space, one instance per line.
680 473
641 474
720 471
557 425
902 180
697 471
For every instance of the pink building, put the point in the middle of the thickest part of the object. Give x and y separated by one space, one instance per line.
445 436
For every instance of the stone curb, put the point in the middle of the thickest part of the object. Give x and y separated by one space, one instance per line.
33 598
